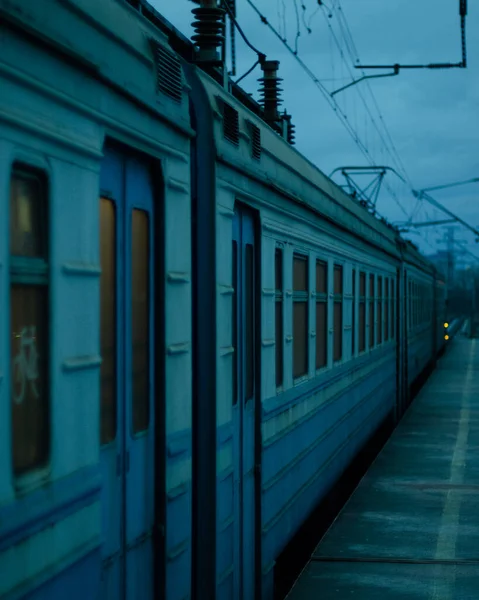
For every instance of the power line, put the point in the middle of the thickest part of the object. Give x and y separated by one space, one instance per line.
333 104
347 37
331 101
355 55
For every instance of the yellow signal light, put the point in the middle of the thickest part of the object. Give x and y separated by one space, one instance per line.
446 337
446 325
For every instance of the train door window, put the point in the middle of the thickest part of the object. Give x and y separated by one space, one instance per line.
371 310
386 308
338 313
392 304
300 315
321 314
234 282
140 338
362 312
379 310
353 313
30 412
278 285
249 321
108 415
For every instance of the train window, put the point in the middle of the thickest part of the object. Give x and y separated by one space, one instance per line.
300 315
362 313
278 277
353 313
338 313
371 310
392 303
29 342
107 321
386 308
379 317
249 312
321 314
235 321
140 325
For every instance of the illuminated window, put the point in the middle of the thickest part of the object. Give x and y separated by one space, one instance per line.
379 310
108 414
362 313
338 313
29 320
278 278
321 314
371 311
300 315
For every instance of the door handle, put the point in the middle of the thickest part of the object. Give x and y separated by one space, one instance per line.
127 462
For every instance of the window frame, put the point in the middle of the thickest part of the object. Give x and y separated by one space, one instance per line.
338 300
27 271
379 310
362 303
322 297
371 289
279 300
301 296
108 198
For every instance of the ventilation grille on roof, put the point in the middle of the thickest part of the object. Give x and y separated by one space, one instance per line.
230 122
255 141
168 73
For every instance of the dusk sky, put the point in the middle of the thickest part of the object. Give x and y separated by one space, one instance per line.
432 116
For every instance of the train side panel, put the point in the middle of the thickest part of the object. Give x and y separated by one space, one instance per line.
63 105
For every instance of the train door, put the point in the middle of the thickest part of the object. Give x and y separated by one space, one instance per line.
127 414
244 381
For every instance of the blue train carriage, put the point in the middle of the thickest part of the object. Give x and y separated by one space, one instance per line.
306 285
419 312
95 294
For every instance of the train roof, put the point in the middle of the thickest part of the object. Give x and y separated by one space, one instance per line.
135 30
283 168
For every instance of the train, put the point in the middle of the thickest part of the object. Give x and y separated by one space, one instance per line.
199 330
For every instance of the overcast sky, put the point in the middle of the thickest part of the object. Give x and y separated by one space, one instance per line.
431 115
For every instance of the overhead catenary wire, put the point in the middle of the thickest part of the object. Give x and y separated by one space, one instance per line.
350 46
298 26
355 57
352 51
331 101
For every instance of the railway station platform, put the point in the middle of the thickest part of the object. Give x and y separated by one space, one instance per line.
411 528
